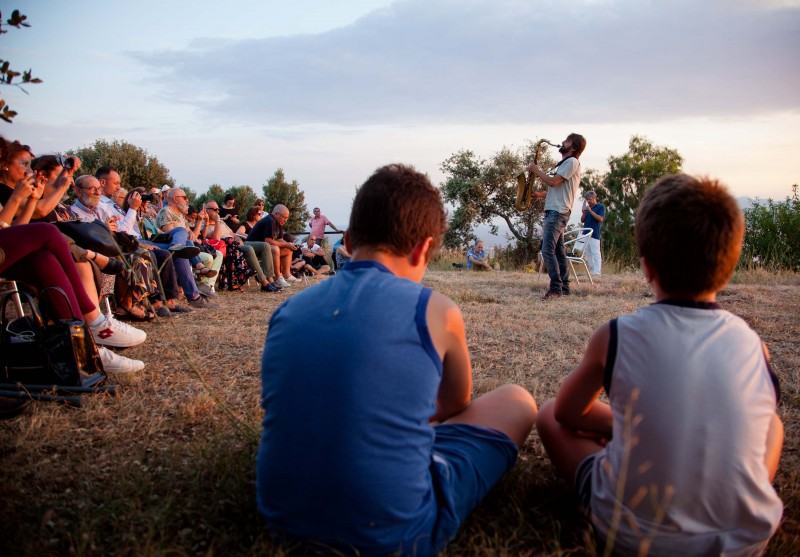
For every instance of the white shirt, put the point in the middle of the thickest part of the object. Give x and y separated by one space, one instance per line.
126 220
692 402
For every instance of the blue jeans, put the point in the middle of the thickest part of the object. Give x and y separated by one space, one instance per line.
183 268
553 252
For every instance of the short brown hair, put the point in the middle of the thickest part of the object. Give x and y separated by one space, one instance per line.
578 143
395 209
689 230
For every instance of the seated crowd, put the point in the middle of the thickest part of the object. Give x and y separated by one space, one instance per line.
171 257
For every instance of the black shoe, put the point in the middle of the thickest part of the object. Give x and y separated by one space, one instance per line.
184 252
550 294
271 287
163 311
10 407
565 292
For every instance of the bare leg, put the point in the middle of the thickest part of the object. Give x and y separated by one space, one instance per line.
276 260
565 447
509 409
286 262
87 280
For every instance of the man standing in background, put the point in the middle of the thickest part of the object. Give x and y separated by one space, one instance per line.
593 215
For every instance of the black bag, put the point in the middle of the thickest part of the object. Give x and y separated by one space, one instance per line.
38 352
96 236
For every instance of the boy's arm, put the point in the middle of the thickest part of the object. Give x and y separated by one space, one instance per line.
446 327
576 405
774 446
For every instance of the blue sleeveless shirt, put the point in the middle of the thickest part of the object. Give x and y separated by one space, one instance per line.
349 381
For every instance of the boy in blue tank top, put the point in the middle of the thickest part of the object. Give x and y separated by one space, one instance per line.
371 443
681 460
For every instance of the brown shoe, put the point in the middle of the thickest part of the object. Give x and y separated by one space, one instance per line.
551 294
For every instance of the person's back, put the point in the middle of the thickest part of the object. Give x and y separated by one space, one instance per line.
695 380
371 442
681 461
351 456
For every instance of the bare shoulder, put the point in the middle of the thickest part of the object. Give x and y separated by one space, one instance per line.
445 322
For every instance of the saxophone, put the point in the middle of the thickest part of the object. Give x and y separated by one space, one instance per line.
525 183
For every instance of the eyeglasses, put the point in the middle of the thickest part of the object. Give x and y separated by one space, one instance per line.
179 197
90 188
212 208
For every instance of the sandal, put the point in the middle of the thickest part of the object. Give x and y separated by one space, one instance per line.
134 314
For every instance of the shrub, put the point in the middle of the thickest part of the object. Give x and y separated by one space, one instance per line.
772 234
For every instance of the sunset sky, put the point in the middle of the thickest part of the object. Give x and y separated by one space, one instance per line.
226 92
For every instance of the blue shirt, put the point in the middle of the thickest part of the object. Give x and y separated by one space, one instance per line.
590 222
346 445
476 255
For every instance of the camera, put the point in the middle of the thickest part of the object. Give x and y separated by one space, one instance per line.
149 197
66 161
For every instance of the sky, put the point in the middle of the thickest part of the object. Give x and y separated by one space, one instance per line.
229 92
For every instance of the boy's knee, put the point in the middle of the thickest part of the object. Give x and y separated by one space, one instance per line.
519 397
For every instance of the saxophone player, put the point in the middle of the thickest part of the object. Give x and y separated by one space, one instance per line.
562 186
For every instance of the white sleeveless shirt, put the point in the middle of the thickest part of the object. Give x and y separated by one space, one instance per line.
692 398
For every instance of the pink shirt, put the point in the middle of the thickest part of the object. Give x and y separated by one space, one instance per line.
318 225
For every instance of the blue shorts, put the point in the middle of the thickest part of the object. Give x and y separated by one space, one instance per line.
583 483
467 462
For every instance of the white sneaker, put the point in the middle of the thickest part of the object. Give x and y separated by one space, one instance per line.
282 282
111 332
123 370
291 278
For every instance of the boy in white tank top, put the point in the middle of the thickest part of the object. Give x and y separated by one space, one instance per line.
681 461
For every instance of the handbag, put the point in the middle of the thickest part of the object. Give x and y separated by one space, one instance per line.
96 236
37 352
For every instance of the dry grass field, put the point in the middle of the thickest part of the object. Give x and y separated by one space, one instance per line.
166 466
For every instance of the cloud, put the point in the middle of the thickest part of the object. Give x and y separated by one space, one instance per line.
446 61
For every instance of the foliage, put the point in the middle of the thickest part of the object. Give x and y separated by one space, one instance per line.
8 75
621 190
772 234
278 190
214 192
245 198
191 195
483 191
136 167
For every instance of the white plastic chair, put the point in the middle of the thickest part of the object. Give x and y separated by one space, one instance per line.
575 248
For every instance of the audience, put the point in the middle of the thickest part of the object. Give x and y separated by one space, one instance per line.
312 254
38 255
221 231
266 236
229 213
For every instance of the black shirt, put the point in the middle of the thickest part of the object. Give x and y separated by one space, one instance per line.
267 227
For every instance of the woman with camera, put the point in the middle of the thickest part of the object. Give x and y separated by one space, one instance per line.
38 255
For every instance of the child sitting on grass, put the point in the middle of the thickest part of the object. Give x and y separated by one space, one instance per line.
681 462
371 442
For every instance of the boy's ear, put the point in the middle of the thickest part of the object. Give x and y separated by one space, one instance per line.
421 251
648 272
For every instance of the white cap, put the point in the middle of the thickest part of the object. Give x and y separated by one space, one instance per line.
165 187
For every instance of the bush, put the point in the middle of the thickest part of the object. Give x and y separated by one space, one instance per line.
772 235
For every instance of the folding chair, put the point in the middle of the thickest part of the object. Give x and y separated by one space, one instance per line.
10 286
575 249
